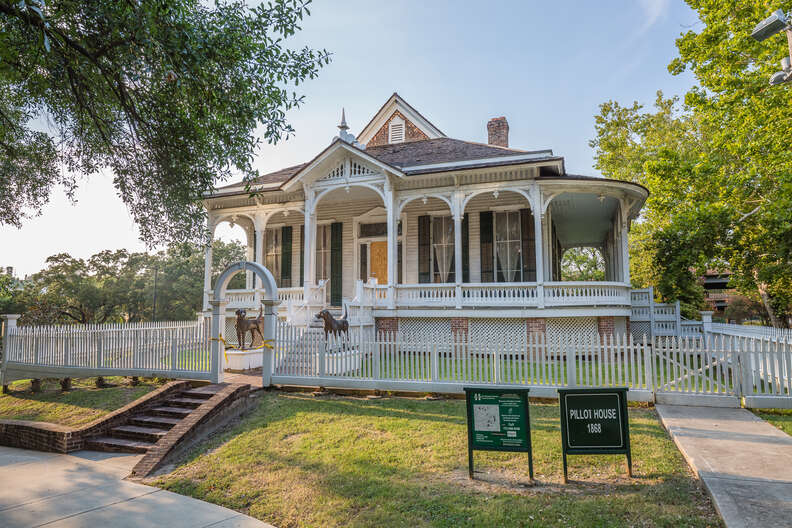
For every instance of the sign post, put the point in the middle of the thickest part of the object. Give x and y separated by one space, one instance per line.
498 420
595 421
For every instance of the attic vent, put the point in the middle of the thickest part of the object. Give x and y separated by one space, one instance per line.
396 130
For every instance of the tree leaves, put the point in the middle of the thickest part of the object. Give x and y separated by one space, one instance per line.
167 96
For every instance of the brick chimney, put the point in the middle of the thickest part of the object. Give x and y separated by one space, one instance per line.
498 132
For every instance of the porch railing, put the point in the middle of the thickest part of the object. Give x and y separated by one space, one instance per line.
513 294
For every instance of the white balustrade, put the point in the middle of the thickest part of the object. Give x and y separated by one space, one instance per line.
500 294
586 294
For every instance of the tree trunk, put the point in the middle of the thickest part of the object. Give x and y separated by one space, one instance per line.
774 321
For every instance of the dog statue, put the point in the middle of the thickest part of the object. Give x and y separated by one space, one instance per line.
244 325
331 324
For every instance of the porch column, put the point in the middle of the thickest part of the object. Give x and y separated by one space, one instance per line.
538 216
625 250
260 226
249 256
458 247
208 265
308 245
390 206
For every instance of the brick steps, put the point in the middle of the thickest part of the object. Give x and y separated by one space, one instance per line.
170 412
137 432
123 445
143 432
189 403
160 422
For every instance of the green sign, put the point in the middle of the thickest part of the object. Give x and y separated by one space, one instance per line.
498 420
594 421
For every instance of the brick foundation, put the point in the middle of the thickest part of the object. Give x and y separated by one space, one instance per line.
459 327
43 436
606 326
386 324
536 325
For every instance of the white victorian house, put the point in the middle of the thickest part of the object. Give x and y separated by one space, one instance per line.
416 231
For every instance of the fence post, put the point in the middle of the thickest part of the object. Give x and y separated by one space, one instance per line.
706 323
570 366
9 327
435 374
270 324
649 364
651 314
174 353
218 351
322 356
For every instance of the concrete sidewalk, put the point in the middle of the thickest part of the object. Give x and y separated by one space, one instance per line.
86 489
744 462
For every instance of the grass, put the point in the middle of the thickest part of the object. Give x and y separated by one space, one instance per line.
83 404
781 418
342 461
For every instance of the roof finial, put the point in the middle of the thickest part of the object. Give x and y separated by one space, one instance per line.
343 125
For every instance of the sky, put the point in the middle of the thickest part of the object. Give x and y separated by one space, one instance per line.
545 66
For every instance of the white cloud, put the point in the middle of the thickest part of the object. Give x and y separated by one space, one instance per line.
653 11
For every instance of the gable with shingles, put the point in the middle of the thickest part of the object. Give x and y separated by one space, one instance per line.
411 132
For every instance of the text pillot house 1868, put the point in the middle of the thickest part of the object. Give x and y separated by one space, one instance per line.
416 231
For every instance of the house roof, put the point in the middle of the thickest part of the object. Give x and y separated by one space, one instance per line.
396 103
418 155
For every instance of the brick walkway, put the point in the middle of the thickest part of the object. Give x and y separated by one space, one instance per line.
251 377
744 462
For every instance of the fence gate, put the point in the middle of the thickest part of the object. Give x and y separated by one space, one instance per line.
692 372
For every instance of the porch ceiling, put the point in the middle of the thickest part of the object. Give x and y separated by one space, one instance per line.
583 219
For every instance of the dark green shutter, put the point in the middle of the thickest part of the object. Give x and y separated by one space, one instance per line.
528 246
336 264
363 262
485 239
424 249
302 255
465 249
286 257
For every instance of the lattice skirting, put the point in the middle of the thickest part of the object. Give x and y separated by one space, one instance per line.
640 328
566 327
425 326
508 330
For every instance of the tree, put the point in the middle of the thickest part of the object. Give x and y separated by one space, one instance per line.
582 264
718 166
115 286
166 95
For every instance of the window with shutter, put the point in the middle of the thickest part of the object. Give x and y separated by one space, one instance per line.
465 249
286 257
485 240
302 255
336 264
272 252
424 249
528 246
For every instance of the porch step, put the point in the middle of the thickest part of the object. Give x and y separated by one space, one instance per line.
203 393
171 412
160 422
190 403
121 445
137 432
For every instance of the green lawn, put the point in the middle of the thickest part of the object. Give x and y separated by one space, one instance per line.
342 461
781 418
83 404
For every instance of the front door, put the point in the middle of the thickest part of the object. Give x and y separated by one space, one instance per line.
379 261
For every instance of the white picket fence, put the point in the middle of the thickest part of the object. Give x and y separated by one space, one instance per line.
752 331
693 371
165 349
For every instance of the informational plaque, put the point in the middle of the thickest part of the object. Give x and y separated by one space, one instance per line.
498 420
594 421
